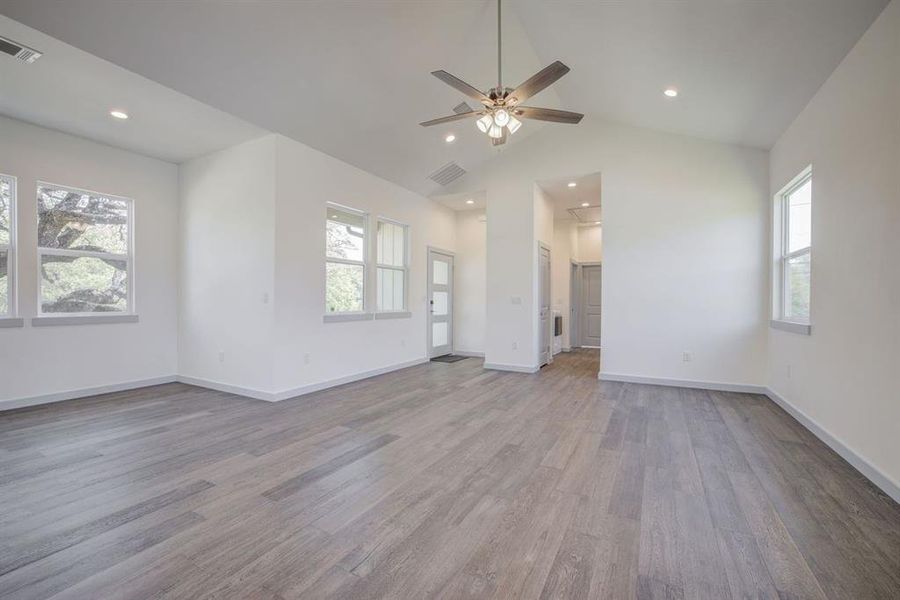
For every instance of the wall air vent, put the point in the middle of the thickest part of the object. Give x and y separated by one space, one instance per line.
449 172
20 51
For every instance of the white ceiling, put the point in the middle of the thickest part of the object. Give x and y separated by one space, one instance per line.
460 201
587 190
352 78
73 91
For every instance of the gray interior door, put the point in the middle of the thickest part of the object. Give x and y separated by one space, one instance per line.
545 353
590 306
440 303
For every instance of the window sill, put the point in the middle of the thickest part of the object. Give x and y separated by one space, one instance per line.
791 327
10 322
342 317
83 320
400 314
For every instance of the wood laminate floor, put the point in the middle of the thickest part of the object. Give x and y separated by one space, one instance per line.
442 480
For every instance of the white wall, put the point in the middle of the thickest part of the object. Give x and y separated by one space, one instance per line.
51 360
590 243
227 249
469 315
671 204
306 180
844 375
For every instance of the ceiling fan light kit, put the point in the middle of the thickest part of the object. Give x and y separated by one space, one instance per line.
502 105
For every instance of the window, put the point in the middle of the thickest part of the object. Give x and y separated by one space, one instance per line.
345 260
7 245
84 252
794 250
393 267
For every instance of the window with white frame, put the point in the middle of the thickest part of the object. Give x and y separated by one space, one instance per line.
7 245
392 266
84 251
345 260
795 237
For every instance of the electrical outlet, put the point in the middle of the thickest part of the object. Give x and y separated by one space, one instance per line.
265 298
516 299
515 345
686 357
787 371
403 343
306 358
221 356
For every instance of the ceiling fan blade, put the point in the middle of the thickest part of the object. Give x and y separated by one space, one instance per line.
456 117
462 86
548 114
537 82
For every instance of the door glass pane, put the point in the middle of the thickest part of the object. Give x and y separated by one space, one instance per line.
438 334
85 284
343 287
441 272
440 303
800 217
344 235
797 292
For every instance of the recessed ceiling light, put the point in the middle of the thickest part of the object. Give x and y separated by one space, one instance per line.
596 222
585 204
572 184
119 114
450 138
671 92
470 201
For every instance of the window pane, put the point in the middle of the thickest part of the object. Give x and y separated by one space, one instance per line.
391 244
81 221
800 217
344 235
797 292
5 203
4 283
390 289
84 284
343 287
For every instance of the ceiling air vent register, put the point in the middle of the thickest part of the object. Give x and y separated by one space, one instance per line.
449 172
20 51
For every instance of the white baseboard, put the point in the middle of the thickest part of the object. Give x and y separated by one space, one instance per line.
83 392
513 368
315 387
470 353
228 388
871 472
720 386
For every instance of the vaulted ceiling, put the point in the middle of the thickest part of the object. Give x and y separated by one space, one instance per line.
352 78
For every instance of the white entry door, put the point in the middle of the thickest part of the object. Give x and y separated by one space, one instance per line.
545 354
440 303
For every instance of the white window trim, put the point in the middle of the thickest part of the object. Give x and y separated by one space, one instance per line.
404 311
11 318
129 315
357 315
781 239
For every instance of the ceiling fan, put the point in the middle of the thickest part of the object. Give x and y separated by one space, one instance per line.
501 106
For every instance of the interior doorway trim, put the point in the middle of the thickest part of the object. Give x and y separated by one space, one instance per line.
544 307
